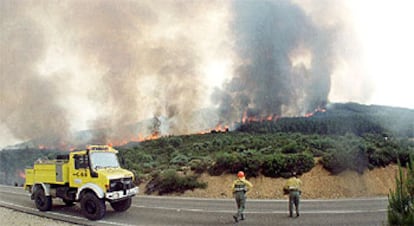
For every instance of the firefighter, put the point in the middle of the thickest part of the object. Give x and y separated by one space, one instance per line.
292 187
240 188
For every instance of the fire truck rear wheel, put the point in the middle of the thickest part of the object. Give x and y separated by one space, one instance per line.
43 202
92 207
122 205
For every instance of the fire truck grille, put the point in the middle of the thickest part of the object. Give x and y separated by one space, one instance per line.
120 184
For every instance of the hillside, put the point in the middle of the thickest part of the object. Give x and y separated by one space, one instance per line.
346 138
317 184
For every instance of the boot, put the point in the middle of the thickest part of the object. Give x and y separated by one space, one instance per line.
235 219
242 217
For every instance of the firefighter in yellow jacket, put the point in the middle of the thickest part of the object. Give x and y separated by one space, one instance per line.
240 188
292 187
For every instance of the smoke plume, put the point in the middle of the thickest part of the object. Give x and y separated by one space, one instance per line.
286 61
70 65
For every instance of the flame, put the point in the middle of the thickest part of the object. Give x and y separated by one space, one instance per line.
138 138
247 119
318 109
156 134
219 128
152 136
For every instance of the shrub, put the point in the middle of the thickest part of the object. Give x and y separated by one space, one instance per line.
217 143
179 160
175 141
200 165
332 162
292 147
382 157
303 162
251 162
273 165
353 158
280 165
197 147
228 162
267 150
170 182
248 160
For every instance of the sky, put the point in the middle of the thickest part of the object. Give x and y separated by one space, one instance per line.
69 65
385 33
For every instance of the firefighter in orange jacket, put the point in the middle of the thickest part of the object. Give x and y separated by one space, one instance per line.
240 188
292 187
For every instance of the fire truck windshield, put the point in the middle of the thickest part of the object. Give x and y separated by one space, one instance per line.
104 160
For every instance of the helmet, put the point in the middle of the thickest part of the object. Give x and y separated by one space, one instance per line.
240 174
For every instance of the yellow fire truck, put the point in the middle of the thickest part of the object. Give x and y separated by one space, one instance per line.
90 176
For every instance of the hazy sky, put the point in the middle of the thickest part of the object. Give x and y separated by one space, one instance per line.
385 33
70 65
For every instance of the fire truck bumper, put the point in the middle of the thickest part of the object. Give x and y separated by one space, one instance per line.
122 194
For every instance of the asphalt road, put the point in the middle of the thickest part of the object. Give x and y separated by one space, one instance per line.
154 211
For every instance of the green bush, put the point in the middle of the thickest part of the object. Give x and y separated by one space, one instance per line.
179 160
200 165
382 157
251 162
302 163
226 162
273 165
292 147
175 141
353 157
217 143
333 162
197 147
280 165
248 160
170 182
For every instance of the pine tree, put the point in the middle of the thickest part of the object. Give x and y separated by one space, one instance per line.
401 200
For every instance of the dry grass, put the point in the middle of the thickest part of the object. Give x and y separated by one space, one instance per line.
318 183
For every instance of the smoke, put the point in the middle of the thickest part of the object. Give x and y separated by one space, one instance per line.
286 61
70 65
149 54
29 103
106 64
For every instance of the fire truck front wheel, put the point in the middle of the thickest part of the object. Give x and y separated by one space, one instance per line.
43 202
92 207
122 205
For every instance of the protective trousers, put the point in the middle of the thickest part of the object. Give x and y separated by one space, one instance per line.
241 201
294 196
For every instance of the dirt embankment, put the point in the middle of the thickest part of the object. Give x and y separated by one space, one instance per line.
317 184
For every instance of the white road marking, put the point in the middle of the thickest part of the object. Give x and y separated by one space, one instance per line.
266 200
227 199
261 212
